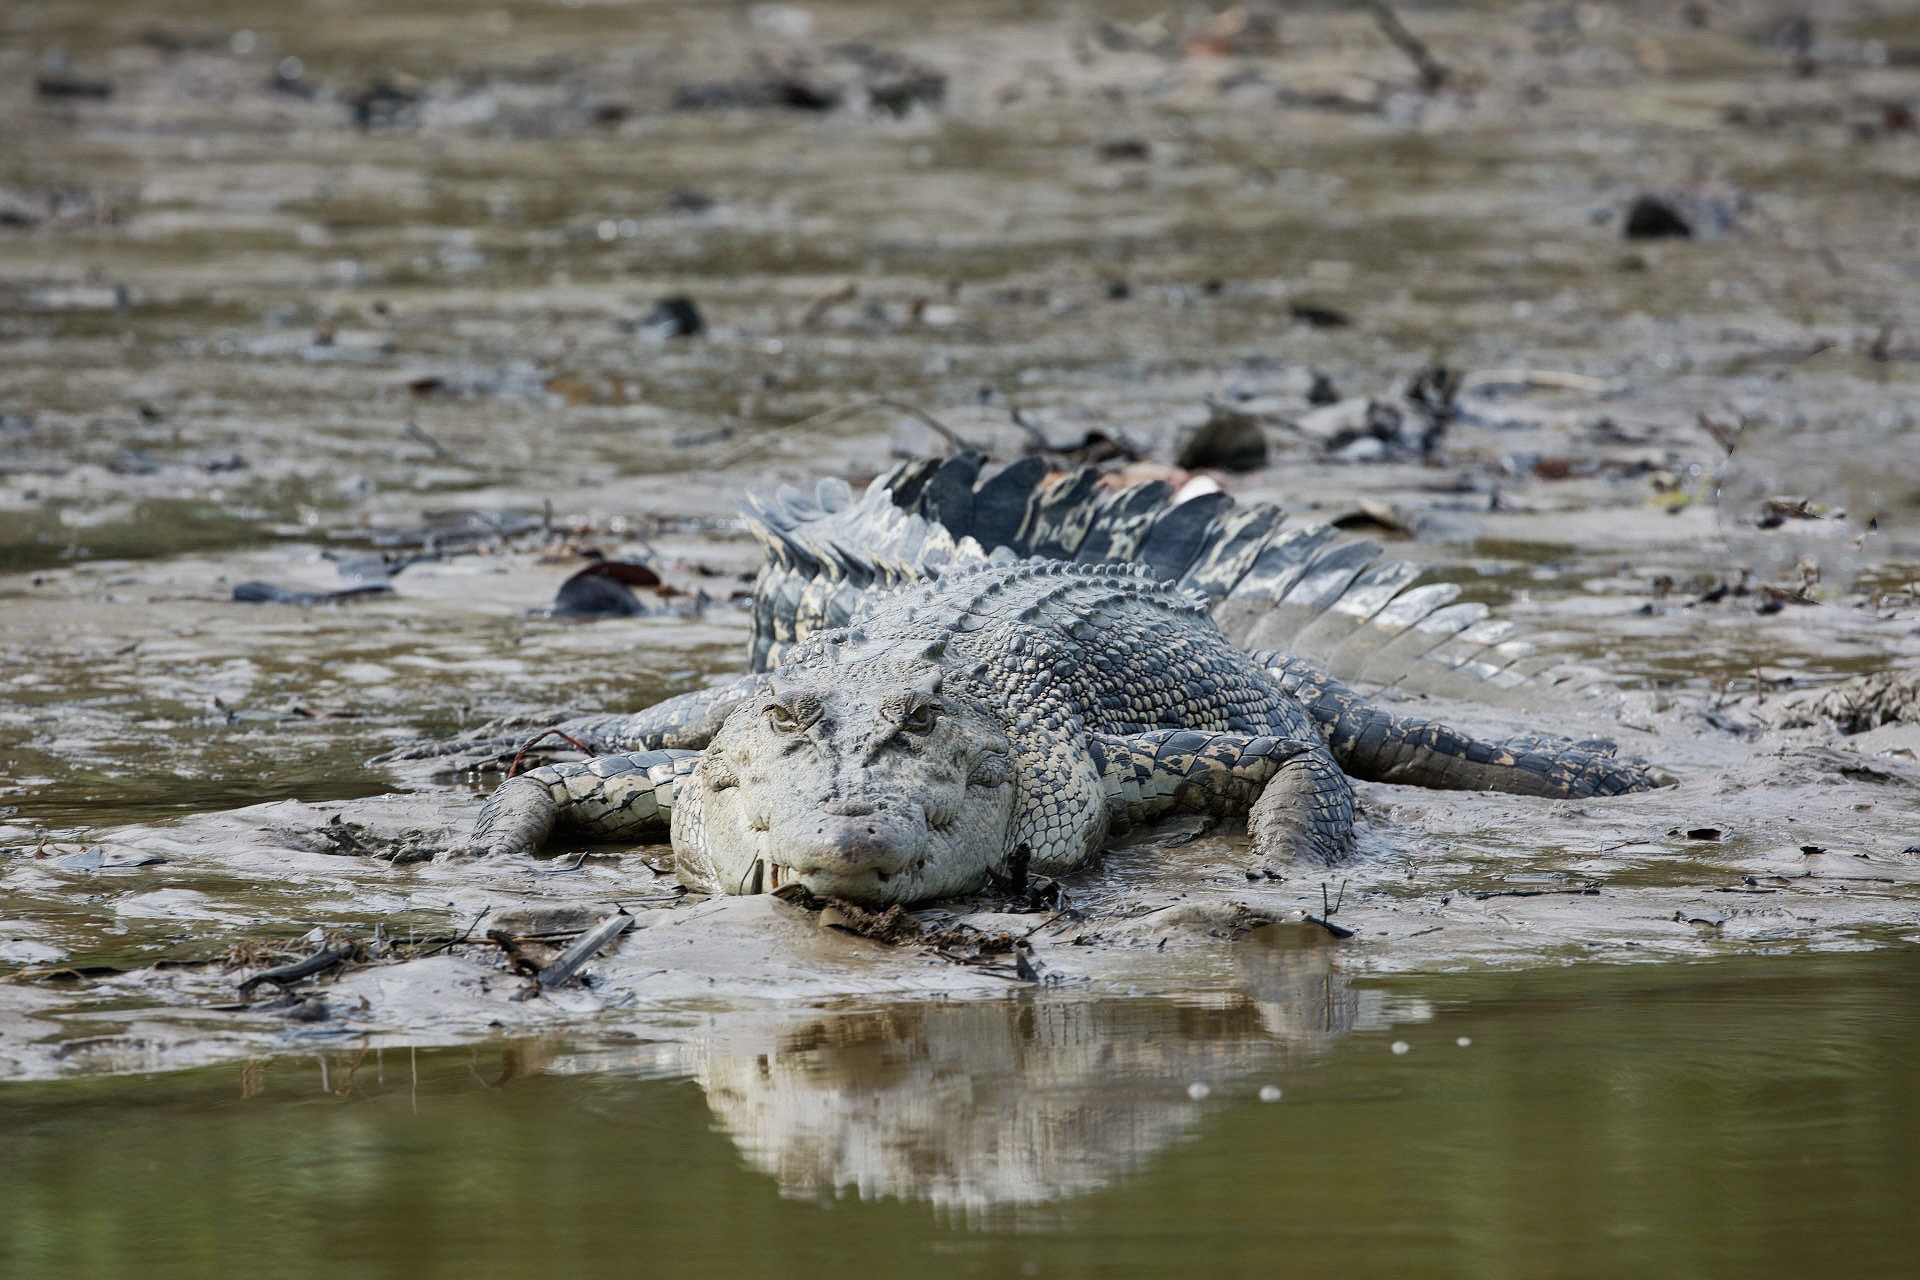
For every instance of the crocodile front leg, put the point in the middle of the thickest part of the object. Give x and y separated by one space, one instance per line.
683 723
1298 803
614 797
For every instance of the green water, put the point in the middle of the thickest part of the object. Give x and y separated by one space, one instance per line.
1752 1117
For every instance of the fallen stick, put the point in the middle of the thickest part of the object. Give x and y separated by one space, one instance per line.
569 961
464 937
1584 891
932 423
1433 72
1535 379
288 974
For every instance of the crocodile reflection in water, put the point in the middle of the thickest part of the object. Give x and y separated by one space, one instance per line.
977 1105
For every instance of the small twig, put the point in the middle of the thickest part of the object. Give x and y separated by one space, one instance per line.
415 431
845 411
465 935
569 961
1584 891
1064 911
555 732
580 860
822 303
1433 73
1535 380
1034 433
1328 911
1028 965
1723 434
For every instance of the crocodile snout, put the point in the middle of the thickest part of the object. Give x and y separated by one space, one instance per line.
852 840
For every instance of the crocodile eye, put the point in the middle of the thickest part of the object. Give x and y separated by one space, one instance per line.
921 719
781 719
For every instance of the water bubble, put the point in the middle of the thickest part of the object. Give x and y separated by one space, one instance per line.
242 42
1464 1041
1823 484
608 229
291 68
1269 1093
1198 1090
1401 1046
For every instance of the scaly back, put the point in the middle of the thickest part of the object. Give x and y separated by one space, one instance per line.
1273 584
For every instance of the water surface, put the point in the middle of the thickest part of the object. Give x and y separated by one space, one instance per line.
1750 1117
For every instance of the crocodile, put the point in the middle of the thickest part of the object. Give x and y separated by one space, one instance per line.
953 681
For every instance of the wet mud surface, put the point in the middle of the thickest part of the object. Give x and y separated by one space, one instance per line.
372 302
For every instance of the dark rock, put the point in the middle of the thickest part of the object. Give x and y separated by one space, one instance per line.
268 593
1651 218
675 317
603 591
133 462
1228 440
308 1009
894 83
291 82
587 595
1318 316
775 89
899 94
73 87
1433 391
384 105
687 200
1322 391
1125 149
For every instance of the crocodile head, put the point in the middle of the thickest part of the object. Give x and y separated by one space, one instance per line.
863 781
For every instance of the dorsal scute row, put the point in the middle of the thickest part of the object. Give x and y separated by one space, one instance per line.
1267 581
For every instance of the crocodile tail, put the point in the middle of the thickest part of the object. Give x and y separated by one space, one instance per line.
1273 584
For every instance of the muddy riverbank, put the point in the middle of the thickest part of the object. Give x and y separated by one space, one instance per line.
427 305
